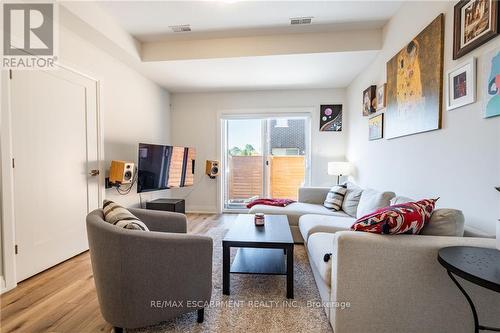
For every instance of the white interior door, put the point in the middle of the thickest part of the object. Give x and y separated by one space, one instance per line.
55 146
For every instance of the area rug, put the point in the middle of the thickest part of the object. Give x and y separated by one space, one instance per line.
257 303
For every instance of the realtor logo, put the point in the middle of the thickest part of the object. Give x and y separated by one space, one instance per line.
28 29
28 35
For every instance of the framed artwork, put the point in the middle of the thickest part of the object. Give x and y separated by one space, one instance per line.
381 96
461 85
490 87
376 127
330 118
415 84
369 100
475 23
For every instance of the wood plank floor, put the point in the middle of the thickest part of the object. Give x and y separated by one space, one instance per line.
63 298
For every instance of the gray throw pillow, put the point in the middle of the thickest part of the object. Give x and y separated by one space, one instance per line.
371 200
121 217
445 222
351 199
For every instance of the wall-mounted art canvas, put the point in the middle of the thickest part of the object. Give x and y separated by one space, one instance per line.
381 97
475 23
369 100
376 127
461 85
415 84
490 88
330 119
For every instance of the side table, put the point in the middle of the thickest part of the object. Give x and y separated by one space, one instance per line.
478 265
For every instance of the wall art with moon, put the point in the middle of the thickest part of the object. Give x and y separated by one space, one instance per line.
330 118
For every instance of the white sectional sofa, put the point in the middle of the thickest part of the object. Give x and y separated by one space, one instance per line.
392 283
309 197
357 202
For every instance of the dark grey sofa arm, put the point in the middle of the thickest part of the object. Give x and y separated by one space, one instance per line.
162 221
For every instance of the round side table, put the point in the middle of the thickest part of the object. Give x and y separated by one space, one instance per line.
478 265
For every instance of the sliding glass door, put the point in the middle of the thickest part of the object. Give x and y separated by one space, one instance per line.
244 162
263 157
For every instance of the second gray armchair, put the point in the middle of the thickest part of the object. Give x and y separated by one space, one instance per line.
143 278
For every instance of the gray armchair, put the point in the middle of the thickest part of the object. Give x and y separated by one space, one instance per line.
143 278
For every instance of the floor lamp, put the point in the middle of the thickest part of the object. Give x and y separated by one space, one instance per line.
339 169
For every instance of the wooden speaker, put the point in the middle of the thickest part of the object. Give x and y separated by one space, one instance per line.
212 168
121 172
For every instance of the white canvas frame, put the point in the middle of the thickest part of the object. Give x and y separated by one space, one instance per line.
468 66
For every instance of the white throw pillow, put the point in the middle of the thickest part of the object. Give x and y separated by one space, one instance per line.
371 200
335 197
401 200
351 199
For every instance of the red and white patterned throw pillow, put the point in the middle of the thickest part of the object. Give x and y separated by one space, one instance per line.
407 218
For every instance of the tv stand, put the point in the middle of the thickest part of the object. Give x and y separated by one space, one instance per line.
169 205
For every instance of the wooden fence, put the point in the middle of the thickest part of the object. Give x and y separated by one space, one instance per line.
285 177
245 177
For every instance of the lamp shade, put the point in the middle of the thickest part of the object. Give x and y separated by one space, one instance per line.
339 168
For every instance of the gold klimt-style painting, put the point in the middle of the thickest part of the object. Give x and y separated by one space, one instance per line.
415 83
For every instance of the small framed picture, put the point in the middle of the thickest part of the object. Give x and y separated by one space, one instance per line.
369 100
330 118
376 127
475 23
461 85
381 96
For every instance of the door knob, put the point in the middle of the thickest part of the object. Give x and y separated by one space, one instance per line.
94 172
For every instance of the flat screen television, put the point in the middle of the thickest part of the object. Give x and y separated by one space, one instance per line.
162 167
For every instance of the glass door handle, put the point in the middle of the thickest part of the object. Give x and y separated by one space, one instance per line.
94 173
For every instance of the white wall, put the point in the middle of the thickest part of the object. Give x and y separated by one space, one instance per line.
459 163
2 280
195 123
134 109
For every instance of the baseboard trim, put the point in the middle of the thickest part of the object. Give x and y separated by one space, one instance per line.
3 286
201 210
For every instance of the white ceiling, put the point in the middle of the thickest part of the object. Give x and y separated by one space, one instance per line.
303 71
150 20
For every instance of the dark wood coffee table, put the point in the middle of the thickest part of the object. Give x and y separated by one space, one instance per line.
262 250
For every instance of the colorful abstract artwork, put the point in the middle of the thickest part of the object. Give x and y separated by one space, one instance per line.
330 118
491 88
415 84
369 100
376 127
